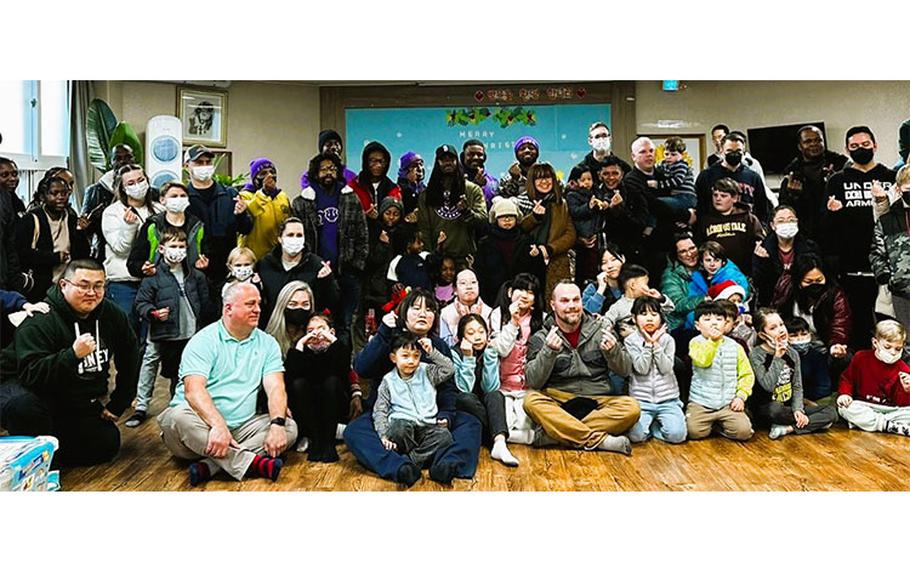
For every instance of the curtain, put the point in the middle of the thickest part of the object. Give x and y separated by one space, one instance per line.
81 94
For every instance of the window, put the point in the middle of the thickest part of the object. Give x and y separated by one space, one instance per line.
34 121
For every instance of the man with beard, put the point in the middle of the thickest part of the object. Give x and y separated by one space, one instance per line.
411 173
372 184
473 158
98 196
803 188
847 226
568 366
752 189
451 205
329 142
512 186
335 228
601 141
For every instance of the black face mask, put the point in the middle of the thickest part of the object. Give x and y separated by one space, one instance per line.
813 291
734 158
905 195
862 156
297 316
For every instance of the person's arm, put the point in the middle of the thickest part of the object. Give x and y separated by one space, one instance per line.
592 300
878 256
243 222
702 351
140 251
464 371
362 237
45 360
504 340
677 289
666 305
796 382
665 354
276 440
381 409
579 205
440 369
199 399
540 361
639 356
848 379
476 212
375 355
118 233
745 378
146 298
11 301
566 240
679 175
446 333
255 203
766 367
490 370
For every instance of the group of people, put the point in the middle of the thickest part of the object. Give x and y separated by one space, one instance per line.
472 311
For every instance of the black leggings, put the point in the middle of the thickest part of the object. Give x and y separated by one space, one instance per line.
318 404
491 412
85 438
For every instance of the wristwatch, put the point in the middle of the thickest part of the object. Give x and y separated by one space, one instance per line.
280 421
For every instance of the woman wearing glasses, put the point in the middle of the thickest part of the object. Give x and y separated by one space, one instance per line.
47 237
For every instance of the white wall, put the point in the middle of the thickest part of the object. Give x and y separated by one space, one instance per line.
881 105
280 121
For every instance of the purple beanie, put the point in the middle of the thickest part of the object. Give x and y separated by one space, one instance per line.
407 159
255 167
525 140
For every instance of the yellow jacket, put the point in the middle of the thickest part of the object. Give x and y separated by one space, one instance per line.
268 213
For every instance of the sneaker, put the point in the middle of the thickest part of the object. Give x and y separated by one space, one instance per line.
136 419
777 431
339 432
303 445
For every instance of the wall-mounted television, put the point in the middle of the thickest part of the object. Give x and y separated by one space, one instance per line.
776 146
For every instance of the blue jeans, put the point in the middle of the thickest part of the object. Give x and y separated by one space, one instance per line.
124 295
363 441
680 204
664 420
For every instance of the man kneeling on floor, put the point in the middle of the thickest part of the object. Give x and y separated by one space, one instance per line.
213 413
568 360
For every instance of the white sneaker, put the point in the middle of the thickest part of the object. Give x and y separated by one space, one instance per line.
339 432
303 445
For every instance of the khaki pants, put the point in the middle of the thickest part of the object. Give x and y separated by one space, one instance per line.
613 415
700 421
186 435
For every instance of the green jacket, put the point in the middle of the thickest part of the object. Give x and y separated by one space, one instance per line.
890 254
459 232
675 285
42 359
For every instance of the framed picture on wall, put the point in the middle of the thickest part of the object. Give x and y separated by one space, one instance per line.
203 115
695 148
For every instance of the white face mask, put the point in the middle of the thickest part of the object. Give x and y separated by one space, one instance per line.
886 356
787 230
137 191
601 144
174 254
292 245
203 173
242 272
176 204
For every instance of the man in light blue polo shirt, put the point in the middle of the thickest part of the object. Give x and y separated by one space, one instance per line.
212 417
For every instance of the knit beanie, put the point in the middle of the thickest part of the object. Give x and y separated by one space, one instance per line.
256 166
407 159
389 202
503 208
525 140
327 135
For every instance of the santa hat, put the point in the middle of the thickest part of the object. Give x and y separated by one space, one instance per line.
725 289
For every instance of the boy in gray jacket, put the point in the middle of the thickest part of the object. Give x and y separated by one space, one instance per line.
404 414
648 357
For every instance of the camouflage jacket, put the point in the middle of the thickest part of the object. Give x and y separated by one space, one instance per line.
890 254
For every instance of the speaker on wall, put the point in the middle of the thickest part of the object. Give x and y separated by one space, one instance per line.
163 156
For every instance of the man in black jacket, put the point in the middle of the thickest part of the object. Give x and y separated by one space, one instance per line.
803 186
752 189
55 373
601 141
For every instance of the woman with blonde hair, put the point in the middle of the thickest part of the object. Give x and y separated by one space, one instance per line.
290 314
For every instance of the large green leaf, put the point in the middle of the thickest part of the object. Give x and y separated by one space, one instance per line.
99 125
125 134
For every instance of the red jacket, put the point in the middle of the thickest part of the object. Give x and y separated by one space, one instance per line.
830 314
369 196
869 380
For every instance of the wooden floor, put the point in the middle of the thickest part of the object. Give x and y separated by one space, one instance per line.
837 460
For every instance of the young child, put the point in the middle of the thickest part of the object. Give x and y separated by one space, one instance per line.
318 377
241 263
634 282
880 381
404 414
498 248
519 315
600 294
813 363
478 384
445 281
731 224
586 206
377 289
735 325
649 354
778 400
412 264
172 300
722 379
675 180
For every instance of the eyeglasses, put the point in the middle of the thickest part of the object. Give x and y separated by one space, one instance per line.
84 287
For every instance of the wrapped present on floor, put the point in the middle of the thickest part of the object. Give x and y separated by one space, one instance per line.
25 463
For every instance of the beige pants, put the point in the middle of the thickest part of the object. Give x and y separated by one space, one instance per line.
733 425
186 435
613 415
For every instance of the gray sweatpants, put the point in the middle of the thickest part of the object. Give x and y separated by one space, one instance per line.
820 417
186 435
872 417
419 441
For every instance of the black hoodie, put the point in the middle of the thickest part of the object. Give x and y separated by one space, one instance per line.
43 359
275 277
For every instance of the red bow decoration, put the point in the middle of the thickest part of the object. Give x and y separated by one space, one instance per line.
397 297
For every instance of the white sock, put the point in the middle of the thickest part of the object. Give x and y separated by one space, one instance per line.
525 437
618 444
501 452
303 444
339 431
